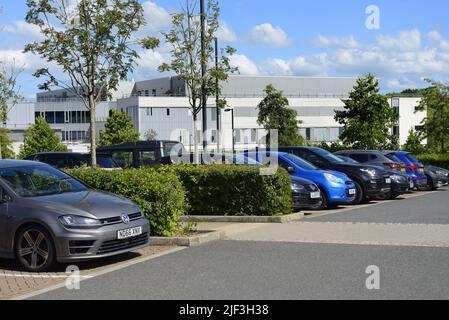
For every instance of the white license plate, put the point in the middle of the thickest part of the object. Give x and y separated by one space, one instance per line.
388 180
412 185
315 195
352 192
129 233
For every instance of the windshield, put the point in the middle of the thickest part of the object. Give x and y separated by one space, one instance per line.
240 160
412 158
104 162
394 158
348 160
34 181
300 162
328 156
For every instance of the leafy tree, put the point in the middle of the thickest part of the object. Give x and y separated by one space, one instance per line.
150 135
40 138
275 114
92 42
119 129
435 100
414 142
5 145
188 57
368 118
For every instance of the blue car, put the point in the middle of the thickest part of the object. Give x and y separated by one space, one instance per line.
336 188
413 167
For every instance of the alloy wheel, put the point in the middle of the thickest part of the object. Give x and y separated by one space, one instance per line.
34 249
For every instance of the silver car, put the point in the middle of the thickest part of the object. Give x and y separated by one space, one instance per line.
46 216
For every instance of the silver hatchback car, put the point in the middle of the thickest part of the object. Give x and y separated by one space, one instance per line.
46 216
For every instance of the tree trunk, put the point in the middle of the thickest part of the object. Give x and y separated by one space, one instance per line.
93 131
195 140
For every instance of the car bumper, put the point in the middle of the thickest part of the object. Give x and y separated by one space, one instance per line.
341 196
87 244
377 187
303 200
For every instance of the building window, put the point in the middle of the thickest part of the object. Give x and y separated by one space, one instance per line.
396 131
153 92
213 114
308 133
50 117
395 102
147 93
168 112
59 117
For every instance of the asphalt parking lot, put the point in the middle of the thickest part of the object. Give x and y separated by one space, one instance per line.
287 262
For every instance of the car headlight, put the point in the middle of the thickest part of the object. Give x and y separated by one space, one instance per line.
370 172
297 187
331 178
72 221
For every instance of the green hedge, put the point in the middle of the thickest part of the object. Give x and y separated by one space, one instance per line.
233 190
160 196
438 160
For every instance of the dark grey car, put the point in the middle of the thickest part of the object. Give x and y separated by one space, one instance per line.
372 157
48 216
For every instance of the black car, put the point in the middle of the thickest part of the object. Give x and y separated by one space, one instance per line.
400 182
142 153
68 160
306 194
370 182
436 177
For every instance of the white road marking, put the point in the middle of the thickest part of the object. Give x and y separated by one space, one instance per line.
39 276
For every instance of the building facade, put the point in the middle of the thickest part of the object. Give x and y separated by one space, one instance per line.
162 105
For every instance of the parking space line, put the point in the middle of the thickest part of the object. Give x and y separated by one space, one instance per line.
346 209
99 273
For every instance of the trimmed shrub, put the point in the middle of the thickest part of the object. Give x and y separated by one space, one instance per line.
161 196
437 160
233 190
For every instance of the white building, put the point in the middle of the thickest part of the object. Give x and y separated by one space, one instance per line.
162 105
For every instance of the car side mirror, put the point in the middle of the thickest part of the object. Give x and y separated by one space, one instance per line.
4 197
291 170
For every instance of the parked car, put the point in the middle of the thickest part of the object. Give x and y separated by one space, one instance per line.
305 194
335 187
444 173
414 168
209 158
372 157
400 182
142 153
369 182
46 216
70 160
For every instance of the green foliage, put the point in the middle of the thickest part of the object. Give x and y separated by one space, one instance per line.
150 135
414 142
275 114
92 41
368 117
436 125
233 190
160 195
437 160
184 39
40 138
5 145
119 129
9 95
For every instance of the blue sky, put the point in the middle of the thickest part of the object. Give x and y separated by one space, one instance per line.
292 37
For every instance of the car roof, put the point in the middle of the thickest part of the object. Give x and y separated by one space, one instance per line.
18 163
66 153
358 151
138 144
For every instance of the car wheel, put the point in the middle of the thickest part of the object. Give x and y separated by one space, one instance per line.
360 196
35 249
324 201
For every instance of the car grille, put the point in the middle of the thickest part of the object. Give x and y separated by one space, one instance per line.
118 245
80 246
349 183
117 220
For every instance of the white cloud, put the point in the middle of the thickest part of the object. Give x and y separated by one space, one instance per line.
25 29
225 33
156 17
245 65
267 34
405 40
343 42
435 36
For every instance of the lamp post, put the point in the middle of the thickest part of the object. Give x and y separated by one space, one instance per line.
233 135
217 98
203 73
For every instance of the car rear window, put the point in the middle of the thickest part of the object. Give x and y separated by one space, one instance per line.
412 158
